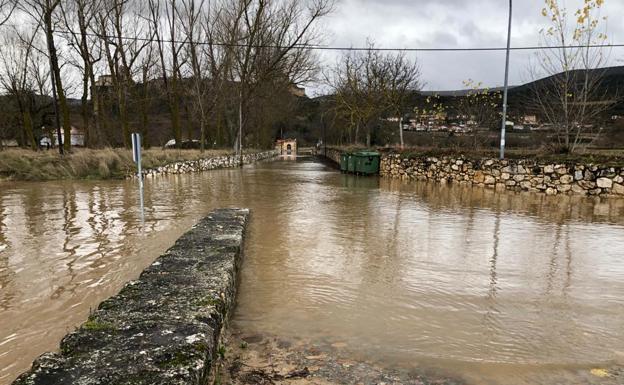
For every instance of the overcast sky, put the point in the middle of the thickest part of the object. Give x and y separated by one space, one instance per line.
454 24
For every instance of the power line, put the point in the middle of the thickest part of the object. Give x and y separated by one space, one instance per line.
316 47
360 49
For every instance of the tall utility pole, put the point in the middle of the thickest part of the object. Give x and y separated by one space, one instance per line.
504 123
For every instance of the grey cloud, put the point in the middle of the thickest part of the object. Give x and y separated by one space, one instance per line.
453 23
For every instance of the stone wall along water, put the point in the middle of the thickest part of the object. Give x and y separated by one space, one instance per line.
163 328
226 161
517 175
332 154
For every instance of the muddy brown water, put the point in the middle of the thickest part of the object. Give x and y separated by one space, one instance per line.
492 287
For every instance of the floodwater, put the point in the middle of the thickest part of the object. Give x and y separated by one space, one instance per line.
492 287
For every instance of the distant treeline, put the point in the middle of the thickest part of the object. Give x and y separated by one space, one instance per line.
224 72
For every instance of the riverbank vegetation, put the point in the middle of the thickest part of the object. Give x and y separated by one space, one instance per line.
108 163
221 73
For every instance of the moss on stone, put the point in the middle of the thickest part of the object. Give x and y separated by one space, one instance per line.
165 323
95 325
201 347
208 301
178 359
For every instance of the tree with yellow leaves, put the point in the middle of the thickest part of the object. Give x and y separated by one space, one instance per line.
571 97
480 106
431 112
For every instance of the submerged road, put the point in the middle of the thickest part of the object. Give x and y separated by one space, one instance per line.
494 287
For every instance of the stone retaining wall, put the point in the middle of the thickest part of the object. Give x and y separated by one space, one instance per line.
517 175
163 328
200 165
332 154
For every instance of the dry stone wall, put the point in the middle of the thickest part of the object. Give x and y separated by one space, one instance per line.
332 154
165 327
226 161
517 175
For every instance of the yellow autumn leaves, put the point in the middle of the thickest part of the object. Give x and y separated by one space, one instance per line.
583 14
587 19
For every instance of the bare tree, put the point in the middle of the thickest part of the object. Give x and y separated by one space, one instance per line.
15 60
43 13
232 64
572 96
370 85
271 39
78 16
147 93
191 17
346 87
170 56
404 80
125 36
6 10
24 74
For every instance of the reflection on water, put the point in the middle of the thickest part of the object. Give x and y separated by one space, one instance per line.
470 280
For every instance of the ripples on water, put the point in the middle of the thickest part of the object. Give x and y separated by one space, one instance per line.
404 273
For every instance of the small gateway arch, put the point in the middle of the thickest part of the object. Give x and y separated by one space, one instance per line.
287 147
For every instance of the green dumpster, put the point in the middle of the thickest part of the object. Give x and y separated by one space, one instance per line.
351 163
366 162
344 159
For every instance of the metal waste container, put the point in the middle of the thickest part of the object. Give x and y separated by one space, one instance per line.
344 159
351 163
366 162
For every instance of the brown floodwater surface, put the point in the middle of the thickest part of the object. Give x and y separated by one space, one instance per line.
493 287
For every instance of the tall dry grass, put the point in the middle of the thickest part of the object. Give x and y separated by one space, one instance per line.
107 163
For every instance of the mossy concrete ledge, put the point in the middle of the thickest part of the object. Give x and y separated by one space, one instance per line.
163 328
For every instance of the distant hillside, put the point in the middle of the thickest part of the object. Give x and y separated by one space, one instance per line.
460 93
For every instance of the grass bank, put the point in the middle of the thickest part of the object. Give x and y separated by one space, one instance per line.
108 163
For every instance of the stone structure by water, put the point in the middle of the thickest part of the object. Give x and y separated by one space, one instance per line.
508 174
163 328
226 161
517 175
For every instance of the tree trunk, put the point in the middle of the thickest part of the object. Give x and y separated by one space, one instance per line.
240 129
202 136
123 116
219 136
95 102
175 111
401 132
85 110
175 120
59 83
144 101
144 122
28 129
567 139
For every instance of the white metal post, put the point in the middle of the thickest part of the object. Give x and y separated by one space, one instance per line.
136 156
504 123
